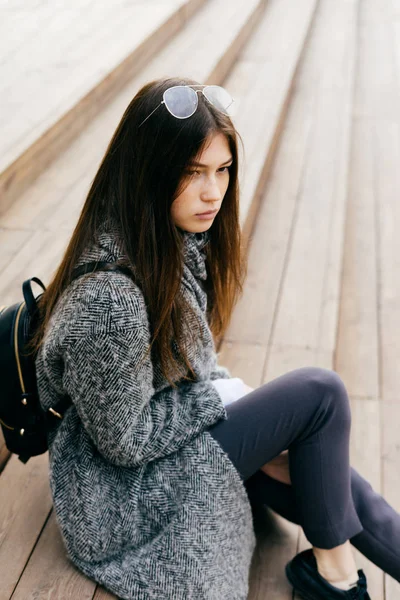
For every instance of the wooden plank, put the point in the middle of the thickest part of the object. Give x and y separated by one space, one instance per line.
11 242
387 155
4 453
357 355
52 61
20 23
244 360
24 507
70 35
49 574
103 594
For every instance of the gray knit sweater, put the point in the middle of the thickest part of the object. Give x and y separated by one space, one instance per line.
148 503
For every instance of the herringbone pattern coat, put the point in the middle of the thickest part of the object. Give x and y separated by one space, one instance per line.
148 503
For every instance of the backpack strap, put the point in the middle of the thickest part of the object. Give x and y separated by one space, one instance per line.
30 299
56 413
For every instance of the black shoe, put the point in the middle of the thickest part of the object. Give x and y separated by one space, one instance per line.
303 574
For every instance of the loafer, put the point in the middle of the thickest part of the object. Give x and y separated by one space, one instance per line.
303 574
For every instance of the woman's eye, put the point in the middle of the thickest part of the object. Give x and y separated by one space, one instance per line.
221 170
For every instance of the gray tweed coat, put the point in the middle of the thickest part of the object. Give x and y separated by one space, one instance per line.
147 502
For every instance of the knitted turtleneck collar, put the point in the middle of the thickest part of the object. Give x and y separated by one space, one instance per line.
193 244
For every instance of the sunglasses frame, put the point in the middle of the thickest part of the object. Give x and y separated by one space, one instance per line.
197 103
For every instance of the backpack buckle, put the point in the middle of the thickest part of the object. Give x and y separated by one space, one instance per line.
55 413
58 411
25 396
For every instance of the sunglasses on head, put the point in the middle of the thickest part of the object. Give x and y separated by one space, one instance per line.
182 100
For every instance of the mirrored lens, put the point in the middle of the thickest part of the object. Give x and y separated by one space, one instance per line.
218 97
181 101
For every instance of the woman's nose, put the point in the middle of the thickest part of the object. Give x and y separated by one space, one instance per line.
211 192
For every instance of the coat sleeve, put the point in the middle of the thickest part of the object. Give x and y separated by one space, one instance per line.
128 422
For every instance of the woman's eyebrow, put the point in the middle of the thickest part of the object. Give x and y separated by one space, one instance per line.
197 164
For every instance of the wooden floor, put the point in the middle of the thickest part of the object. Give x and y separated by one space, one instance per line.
319 112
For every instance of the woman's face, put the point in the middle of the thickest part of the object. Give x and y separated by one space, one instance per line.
206 190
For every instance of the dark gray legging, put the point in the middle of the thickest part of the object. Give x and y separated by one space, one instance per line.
307 411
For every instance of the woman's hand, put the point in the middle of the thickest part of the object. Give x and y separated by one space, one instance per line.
231 389
247 389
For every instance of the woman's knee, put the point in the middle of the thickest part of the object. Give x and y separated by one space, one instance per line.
331 391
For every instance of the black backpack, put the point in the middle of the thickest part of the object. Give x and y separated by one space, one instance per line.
24 423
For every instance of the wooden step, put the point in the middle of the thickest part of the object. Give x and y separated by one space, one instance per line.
87 52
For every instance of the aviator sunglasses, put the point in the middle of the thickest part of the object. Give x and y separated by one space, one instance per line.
182 100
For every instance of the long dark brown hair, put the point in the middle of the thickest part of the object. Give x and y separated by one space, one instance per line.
142 172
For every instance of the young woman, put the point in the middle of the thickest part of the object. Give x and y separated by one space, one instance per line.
153 467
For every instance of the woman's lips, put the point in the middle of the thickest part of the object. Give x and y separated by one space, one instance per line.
209 212
207 215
